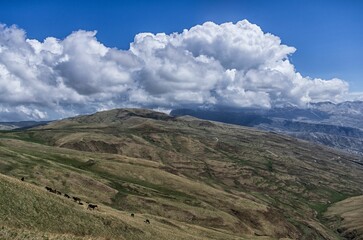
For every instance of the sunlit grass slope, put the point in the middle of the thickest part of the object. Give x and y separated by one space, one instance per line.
29 212
347 217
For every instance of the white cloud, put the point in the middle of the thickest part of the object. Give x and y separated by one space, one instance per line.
232 65
238 46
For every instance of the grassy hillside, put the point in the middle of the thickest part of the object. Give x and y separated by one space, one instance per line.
29 211
347 217
188 176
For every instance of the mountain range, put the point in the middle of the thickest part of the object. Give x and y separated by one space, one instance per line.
335 125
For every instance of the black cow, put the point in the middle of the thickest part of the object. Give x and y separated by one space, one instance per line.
147 221
22 179
66 195
76 199
92 206
52 190
132 215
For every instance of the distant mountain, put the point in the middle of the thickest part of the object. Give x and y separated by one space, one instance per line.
335 125
22 124
342 114
350 108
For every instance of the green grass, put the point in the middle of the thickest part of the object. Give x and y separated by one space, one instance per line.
333 197
28 136
269 166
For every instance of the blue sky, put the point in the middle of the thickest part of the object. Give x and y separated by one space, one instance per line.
328 35
53 64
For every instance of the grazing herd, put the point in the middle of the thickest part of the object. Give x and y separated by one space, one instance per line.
78 200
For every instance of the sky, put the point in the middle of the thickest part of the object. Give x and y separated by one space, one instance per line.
63 58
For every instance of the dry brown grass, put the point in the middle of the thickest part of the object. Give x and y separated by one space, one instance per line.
347 217
29 212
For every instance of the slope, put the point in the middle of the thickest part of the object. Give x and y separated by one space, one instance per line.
219 177
346 217
29 211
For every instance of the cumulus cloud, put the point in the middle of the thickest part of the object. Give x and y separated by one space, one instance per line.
228 65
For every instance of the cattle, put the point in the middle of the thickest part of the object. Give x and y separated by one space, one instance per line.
92 206
66 195
22 179
147 221
80 203
132 215
76 199
53 190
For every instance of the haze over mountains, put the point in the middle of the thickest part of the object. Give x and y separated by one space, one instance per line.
335 125
21 124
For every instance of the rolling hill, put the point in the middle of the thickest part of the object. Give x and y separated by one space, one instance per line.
193 179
